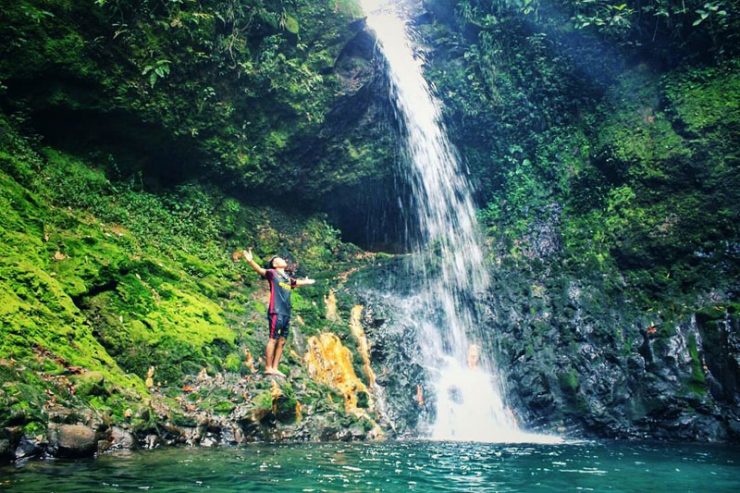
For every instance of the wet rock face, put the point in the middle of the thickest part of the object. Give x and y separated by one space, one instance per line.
8 441
403 398
354 66
363 196
721 336
583 362
543 238
28 447
577 359
121 439
396 359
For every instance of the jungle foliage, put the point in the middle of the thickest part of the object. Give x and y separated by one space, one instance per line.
102 280
601 135
224 89
601 139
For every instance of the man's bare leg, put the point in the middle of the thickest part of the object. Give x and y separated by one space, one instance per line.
278 354
269 354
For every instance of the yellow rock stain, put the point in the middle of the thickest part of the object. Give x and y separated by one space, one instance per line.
329 362
249 361
149 382
331 307
275 392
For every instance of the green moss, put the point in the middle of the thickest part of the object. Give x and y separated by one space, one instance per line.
232 362
712 312
224 407
285 405
263 401
101 277
90 384
34 429
633 140
568 381
705 98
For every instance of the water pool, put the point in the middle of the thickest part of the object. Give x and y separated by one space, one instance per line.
393 466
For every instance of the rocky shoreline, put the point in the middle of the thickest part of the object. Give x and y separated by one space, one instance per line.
230 409
73 433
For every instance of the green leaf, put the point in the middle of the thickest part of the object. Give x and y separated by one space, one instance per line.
291 24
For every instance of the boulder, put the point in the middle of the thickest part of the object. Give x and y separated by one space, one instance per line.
73 440
91 383
27 447
151 441
121 439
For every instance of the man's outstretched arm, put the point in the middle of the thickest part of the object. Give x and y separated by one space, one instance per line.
247 254
304 282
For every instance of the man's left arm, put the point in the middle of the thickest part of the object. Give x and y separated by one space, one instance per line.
297 283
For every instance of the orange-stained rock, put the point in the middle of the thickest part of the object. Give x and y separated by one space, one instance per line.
150 378
331 306
330 362
249 361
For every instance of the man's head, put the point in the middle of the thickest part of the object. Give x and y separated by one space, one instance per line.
277 263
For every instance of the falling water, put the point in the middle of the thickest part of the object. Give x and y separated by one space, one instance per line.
448 256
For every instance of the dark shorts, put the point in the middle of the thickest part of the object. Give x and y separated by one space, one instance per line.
278 325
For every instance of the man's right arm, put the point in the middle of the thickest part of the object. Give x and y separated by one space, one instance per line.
247 254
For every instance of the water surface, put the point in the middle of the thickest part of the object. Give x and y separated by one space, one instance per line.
393 466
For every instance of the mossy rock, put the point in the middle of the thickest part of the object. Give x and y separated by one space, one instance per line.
711 313
179 419
224 407
232 362
705 98
568 381
89 384
363 400
697 384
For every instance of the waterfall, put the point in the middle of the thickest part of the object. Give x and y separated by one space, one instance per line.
448 256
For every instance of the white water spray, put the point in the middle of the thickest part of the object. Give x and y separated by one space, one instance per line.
448 257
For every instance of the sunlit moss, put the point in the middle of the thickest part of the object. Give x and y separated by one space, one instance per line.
99 282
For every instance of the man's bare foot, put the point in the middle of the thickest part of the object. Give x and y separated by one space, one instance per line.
269 371
278 373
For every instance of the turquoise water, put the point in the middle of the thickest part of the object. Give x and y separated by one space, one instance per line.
393 466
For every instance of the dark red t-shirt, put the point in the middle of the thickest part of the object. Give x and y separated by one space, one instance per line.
280 288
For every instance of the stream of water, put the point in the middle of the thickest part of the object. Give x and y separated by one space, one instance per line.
448 256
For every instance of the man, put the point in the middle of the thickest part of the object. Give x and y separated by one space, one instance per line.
278 311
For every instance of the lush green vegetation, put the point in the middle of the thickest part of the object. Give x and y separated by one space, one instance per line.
137 137
101 280
604 132
232 90
133 137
